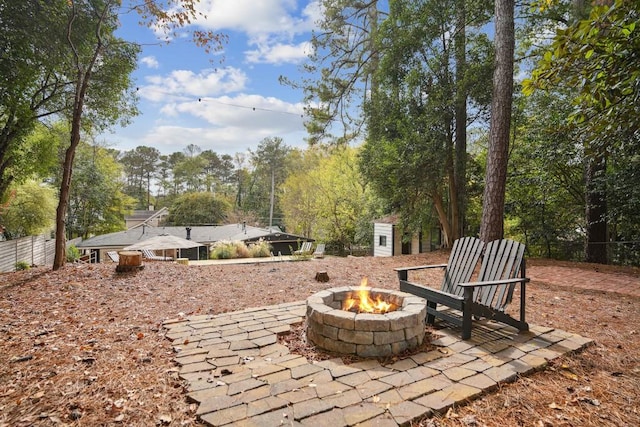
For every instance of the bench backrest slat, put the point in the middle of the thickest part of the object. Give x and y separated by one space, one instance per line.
463 260
502 260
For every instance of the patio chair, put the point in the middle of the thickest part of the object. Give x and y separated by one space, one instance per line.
503 266
113 255
150 255
319 252
304 249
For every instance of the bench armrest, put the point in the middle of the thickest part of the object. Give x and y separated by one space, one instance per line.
495 282
403 272
420 267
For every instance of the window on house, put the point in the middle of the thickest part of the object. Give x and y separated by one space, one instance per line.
382 241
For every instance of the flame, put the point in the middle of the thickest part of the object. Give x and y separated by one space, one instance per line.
363 303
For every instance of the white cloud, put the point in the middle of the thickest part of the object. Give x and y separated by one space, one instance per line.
243 111
185 84
257 17
222 140
279 53
270 25
233 124
150 61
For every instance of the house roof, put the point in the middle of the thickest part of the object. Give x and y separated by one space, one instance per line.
202 234
390 219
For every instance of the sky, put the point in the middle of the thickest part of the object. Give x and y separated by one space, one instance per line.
226 102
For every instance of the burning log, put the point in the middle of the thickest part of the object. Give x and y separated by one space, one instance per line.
364 302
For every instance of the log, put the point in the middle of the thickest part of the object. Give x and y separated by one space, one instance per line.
322 276
129 261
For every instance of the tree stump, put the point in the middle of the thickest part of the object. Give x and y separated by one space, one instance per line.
322 276
129 261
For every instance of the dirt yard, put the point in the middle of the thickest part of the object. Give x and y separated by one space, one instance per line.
85 346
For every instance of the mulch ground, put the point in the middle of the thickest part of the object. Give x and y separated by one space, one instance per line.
84 346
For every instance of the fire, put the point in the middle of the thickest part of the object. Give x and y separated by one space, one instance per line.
363 303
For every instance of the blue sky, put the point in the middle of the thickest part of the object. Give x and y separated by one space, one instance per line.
189 97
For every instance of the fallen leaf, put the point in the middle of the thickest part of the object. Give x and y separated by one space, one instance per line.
165 419
569 375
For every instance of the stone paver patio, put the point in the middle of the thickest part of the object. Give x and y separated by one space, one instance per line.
240 375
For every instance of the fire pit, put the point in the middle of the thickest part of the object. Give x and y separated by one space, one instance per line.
366 322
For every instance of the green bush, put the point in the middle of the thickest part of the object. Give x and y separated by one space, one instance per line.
73 253
22 265
223 250
242 251
229 250
238 249
260 249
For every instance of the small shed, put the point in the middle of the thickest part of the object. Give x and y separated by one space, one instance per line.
388 238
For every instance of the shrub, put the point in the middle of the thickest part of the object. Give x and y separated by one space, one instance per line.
260 249
238 249
242 251
22 265
73 253
223 250
229 250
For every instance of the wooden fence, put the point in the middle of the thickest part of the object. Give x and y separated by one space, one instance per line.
33 250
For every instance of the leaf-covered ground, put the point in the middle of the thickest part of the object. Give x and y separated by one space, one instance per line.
84 346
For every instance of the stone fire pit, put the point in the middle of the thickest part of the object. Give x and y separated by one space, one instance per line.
334 329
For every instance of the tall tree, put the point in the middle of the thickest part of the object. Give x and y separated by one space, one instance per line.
269 160
301 194
417 116
544 203
140 167
340 70
97 204
33 84
597 55
31 212
328 199
191 171
198 209
100 66
492 225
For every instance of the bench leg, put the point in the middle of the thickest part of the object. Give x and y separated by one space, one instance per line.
431 319
466 313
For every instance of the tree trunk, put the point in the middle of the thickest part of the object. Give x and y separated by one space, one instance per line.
272 200
492 225
445 225
454 204
65 186
83 77
460 166
596 210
